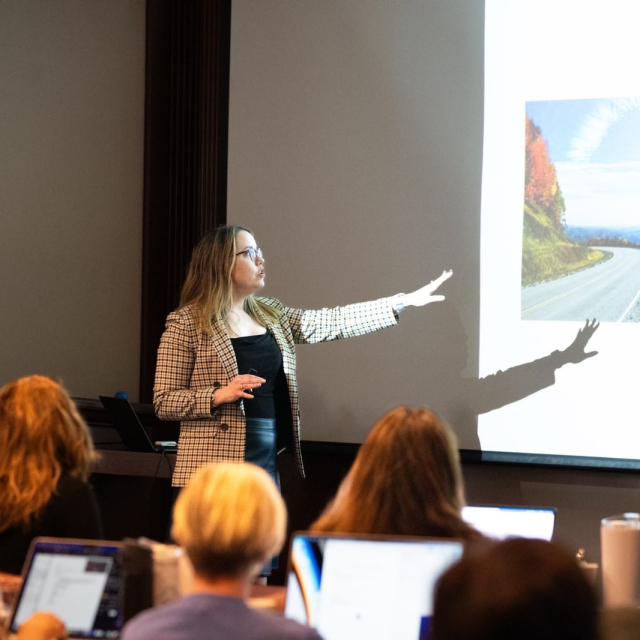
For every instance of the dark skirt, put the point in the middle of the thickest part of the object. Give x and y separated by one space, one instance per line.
260 446
261 449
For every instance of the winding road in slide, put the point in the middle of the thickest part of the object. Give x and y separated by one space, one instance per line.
610 292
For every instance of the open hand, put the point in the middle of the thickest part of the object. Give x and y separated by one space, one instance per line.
575 352
424 295
240 387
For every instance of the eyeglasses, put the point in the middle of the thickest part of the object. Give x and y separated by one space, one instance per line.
252 252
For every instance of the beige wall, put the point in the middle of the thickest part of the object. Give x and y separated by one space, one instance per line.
71 177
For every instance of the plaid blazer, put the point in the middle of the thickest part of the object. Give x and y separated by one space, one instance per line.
192 364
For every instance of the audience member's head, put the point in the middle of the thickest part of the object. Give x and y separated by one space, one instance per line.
42 437
406 480
230 520
520 588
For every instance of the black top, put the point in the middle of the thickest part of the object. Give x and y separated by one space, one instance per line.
72 512
262 354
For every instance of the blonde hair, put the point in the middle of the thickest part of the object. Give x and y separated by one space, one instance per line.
229 519
405 480
208 287
42 436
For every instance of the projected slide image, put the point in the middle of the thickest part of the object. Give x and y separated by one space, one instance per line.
581 223
560 232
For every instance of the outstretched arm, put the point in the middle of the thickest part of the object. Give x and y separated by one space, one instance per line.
322 325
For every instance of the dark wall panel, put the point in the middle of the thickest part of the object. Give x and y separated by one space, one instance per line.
186 116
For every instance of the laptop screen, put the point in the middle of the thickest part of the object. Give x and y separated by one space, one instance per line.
366 586
503 522
78 581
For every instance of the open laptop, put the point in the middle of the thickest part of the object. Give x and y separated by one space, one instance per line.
77 580
129 427
352 586
502 522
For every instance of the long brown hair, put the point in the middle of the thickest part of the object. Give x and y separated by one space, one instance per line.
406 480
42 436
208 287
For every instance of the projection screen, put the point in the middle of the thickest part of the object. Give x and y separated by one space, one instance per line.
356 156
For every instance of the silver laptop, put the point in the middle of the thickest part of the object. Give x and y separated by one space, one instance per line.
77 580
348 586
502 522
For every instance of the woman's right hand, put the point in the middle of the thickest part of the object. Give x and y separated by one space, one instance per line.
240 387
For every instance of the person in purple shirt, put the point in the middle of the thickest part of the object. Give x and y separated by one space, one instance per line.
230 520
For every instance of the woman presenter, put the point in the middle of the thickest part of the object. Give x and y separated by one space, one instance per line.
226 362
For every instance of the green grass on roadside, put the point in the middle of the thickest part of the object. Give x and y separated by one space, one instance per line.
548 254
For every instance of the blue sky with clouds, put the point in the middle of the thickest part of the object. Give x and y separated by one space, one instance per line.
595 145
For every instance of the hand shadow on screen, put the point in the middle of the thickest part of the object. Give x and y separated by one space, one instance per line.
460 398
